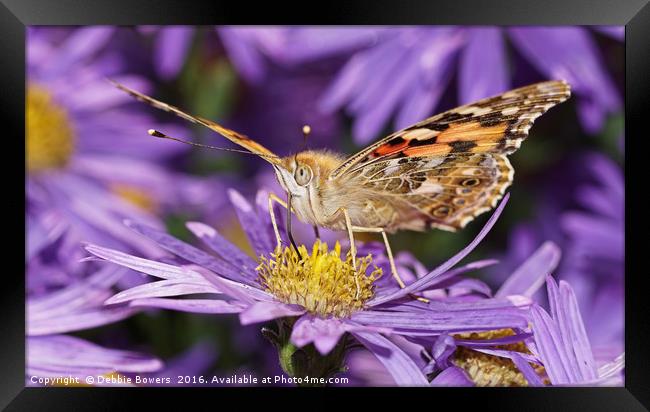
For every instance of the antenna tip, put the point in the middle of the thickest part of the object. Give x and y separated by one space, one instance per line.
306 129
155 133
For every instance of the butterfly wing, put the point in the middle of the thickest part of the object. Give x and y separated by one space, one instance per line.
237 138
493 124
448 169
445 192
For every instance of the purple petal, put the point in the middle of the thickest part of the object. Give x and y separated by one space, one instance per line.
71 352
547 339
189 252
101 96
242 52
263 311
441 280
553 296
564 324
440 322
163 288
220 245
423 96
262 243
150 267
460 287
81 44
83 294
529 373
442 350
448 264
452 376
371 121
613 368
482 71
344 84
484 305
506 340
242 292
508 354
171 49
212 306
312 43
569 53
399 365
325 333
78 321
531 274
576 334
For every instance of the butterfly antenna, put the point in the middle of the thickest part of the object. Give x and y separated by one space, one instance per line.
161 135
306 129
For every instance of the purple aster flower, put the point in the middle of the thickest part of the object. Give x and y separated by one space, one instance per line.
253 50
589 207
53 355
313 295
403 72
562 345
478 358
89 160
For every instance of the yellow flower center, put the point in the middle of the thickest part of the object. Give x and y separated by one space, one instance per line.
489 370
322 282
50 135
136 196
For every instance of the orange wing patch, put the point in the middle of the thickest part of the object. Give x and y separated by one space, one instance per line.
472 131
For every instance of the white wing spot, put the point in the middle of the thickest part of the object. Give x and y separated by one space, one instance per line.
510 111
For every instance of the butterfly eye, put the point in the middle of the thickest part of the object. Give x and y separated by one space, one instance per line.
303 175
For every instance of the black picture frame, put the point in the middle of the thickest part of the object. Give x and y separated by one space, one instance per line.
15 15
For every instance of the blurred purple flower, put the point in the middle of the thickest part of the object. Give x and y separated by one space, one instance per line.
595 250
89 160
233 278
570 53
80 305
404 71
275 111
253 50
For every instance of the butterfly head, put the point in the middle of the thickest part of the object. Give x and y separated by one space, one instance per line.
307 170
296 174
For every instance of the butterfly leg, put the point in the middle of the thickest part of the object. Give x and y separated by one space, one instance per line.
274 198
353 248
389 254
